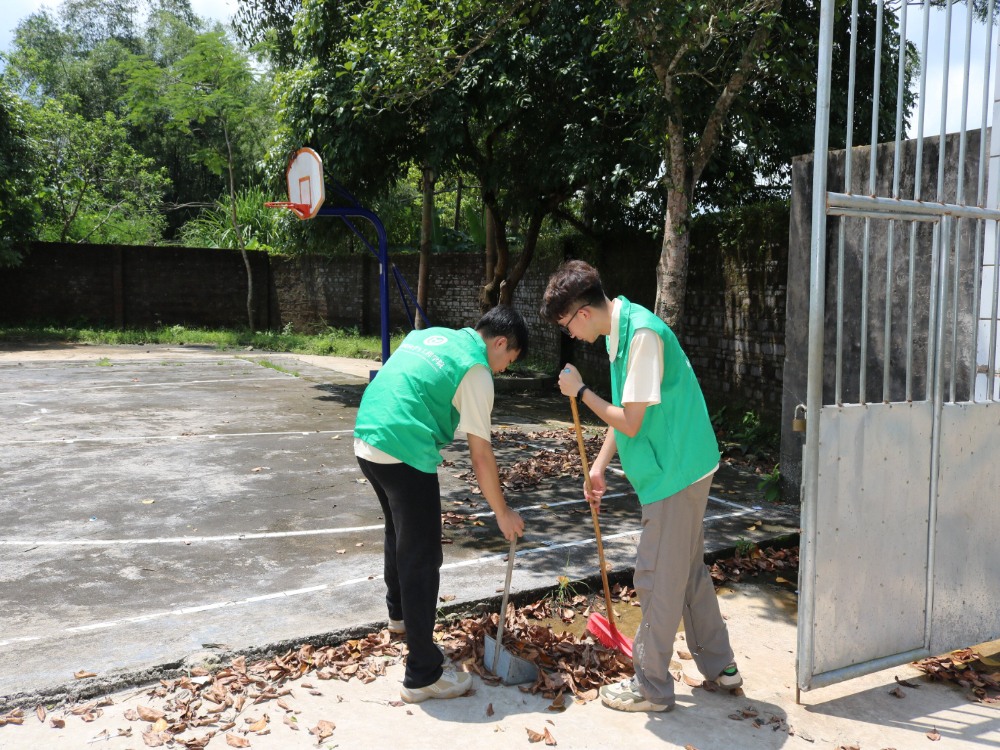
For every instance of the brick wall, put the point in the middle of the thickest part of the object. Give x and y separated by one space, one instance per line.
734 327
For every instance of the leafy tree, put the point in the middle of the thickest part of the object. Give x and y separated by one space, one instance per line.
74 54
715 64
523 104
723 94
210 97
17 207
92 185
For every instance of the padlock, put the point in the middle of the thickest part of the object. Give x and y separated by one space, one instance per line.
799 423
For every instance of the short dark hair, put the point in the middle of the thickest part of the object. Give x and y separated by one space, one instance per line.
504 320
574 281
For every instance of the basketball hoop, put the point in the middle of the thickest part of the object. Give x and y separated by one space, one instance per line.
299 209
304 179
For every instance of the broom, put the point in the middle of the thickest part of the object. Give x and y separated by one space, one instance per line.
601 627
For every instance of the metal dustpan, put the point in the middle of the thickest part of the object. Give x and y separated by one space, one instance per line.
511 669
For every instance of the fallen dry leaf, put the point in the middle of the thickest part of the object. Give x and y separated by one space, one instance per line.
933 735
149 714
323 729
898 692
40 712
83 674
234 740
489 709
260 725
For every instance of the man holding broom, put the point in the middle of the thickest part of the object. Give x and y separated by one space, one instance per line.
659 426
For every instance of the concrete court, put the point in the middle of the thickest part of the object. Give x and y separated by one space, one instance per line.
163 501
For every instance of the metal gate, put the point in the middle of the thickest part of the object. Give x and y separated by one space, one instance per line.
901 514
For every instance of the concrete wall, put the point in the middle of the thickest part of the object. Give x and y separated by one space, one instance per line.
879 271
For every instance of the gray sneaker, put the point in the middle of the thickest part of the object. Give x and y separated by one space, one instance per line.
626 696
451 684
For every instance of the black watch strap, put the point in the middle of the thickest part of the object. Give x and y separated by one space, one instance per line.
579 393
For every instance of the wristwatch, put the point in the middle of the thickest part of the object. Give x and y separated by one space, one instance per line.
579 393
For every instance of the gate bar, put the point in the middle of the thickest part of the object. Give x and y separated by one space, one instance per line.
878 205
814 386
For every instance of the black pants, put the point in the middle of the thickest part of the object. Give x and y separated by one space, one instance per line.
411 502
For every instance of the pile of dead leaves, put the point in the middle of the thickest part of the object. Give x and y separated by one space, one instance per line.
755 562
560 461
964 668
190 710
567 664
200 705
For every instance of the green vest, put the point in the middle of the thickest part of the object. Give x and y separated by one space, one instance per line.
676 444
406 411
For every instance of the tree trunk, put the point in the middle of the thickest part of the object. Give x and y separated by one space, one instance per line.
250 299
496 260
426 236
672 268
510 284
458 203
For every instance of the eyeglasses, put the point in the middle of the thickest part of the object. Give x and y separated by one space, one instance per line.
565 328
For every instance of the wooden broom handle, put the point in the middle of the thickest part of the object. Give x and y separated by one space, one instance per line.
593 512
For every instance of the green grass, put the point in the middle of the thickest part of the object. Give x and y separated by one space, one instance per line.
268 363
332 342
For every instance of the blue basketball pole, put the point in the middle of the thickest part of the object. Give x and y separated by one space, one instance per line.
357 212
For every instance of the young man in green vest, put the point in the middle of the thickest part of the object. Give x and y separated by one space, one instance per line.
438 381
660 428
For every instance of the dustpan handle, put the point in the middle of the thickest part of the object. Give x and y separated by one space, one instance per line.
506 595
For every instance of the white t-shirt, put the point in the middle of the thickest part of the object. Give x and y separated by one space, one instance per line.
474 401
644 372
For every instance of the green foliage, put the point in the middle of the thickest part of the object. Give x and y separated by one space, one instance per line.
92 184
770 485
745 546
747 431
18 210
262 228
209 94
77 53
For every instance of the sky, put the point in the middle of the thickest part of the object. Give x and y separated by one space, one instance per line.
223 10
220 10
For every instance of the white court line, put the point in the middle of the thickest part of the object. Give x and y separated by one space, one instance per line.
141 438
239 537
149 617
277 376
376 577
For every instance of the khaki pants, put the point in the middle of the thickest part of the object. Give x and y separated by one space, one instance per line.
672 582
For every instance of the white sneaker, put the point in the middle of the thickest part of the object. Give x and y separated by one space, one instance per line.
397 626
451 684
729 681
